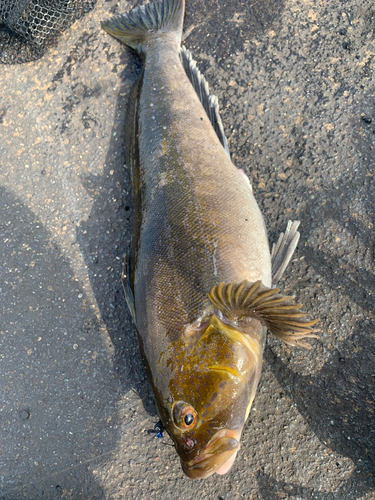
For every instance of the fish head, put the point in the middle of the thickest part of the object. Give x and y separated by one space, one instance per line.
211 391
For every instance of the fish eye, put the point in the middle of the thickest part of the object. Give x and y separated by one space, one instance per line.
189 419
184 415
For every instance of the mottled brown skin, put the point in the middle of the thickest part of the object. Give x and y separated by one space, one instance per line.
196 224
199 225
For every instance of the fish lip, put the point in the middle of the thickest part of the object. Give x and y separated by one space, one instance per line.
218 451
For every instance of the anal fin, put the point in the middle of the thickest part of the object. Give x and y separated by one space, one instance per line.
279 313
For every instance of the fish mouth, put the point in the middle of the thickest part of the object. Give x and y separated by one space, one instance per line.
218 456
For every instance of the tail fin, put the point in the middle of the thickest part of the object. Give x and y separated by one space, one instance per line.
141 24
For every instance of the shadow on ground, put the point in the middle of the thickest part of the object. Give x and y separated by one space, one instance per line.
58 393
338 403
221 28
104 239
270 488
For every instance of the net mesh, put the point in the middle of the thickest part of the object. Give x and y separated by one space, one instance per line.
29 27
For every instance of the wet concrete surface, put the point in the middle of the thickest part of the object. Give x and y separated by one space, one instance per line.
296 85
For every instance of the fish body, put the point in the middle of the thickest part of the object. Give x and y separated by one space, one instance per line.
199 273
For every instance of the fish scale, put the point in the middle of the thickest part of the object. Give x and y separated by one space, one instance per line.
203 200
198 276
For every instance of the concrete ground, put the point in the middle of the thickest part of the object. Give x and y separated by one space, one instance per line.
295 80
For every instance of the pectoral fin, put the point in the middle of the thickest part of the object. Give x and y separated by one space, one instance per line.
279 313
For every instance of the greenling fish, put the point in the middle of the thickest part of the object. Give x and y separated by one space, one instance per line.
199 277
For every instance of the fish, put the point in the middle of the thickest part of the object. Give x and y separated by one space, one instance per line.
199 276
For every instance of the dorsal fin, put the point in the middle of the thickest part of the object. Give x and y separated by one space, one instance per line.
209 101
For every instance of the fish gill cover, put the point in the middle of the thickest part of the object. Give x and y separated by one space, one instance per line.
29 27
